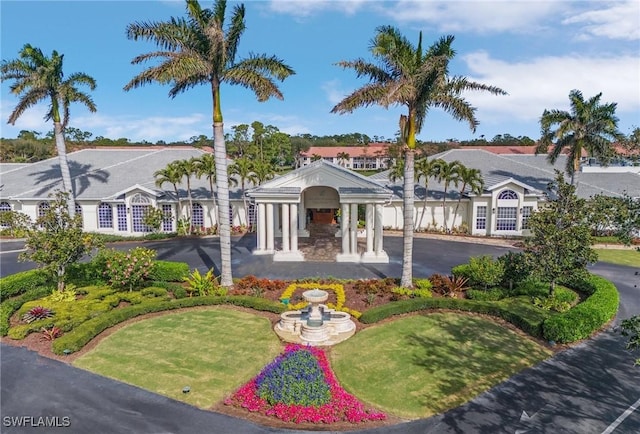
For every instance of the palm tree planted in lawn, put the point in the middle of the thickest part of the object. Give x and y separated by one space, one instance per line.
199 50
37 78
407 76
589 126
172 174
471 178
188 168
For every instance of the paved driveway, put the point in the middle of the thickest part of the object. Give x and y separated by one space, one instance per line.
590 388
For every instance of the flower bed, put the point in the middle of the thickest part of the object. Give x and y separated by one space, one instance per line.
296 392
337 288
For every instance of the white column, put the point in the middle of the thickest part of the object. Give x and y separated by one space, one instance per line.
369 218
378 230
293 209
378 255
262 228
353 230
344 228
270 227
286 228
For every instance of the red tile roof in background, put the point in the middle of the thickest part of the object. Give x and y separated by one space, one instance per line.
372 150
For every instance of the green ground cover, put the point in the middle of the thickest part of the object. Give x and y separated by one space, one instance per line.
212 351
420 365
628 257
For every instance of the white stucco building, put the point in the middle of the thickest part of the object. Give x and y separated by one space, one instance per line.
114 187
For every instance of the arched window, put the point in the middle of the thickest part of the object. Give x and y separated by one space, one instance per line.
508 194
105 216
139 205
197 216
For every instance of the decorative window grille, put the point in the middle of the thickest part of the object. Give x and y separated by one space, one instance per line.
122 217
139 205
481 217
79 212
105 216
506 219
197 216
167 222
508 194
252 214
4 207
526 213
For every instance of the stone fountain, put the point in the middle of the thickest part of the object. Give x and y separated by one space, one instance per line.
316 324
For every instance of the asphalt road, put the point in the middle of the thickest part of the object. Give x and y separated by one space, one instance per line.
591 388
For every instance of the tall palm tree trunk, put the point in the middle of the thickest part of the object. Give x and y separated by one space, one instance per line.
406 280
213 201
64 167
222 181
444 210
455 212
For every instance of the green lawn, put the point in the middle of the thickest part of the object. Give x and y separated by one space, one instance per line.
629 257
213 351
417 366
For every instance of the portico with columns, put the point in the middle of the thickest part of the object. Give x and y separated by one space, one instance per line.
284 206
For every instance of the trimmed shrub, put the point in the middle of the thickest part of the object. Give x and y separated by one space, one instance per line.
516 268
169 271
484 271
154 291
587 317
82 334
532 287
493 294
8 307
519 312
19 283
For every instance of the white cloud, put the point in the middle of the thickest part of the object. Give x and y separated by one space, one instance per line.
31 119
333 91
307 8
477 16
545 83
617 20
153 128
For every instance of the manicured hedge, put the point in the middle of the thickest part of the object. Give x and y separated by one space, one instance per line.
8 307
81 335
587 317
169 271
19 283
521 315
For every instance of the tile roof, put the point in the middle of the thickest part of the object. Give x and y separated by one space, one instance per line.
371 150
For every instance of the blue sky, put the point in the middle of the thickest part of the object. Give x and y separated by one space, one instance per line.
535 50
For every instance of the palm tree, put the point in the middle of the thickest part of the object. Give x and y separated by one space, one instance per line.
243 168
446 173
469 177
425 168
188 168
172 174
37 78
343 157
396 171
406 76
263 171
199 50
590 126
206 166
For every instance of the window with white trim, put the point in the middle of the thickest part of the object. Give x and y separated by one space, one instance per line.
481 217
197 216
167 221
508 194
122 217
105 216
506 218
79 212
4 207
526 213
252 214
140 203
